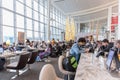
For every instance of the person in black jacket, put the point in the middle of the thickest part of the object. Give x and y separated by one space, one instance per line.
106 46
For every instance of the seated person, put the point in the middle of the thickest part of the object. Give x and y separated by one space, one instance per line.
53 42
5 47
77 48
12 47
106 46
27 42
58 49
47 52
63 46
43 45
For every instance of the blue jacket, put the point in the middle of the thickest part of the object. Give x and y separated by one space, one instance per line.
76 51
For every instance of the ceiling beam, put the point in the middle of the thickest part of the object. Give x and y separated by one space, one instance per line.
97 19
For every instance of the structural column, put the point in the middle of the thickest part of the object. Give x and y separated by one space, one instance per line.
118 30
1 28
49 7
32 20
109 22
15 29
25 25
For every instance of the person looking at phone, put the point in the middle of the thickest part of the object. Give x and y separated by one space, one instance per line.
78 48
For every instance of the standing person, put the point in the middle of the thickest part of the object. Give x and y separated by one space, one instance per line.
77 48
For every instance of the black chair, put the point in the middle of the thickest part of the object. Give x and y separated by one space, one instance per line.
19 65
32 58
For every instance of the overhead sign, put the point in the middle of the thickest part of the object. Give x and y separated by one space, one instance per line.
114 20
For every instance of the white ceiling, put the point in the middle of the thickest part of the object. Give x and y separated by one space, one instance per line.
74 7
94 16
69 6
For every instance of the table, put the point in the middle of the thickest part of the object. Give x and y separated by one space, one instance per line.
91 68
11 54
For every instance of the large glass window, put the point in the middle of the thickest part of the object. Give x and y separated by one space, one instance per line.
36 27
41 18
35 6
8 18
20 21
8 34
42 27
45 12
35 15
36 35
42 36
29 3
21 1
29 12
34 21
29 34
41 9
7 4
19 8
29 24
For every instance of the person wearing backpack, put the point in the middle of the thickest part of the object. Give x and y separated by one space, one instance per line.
78 48
70 63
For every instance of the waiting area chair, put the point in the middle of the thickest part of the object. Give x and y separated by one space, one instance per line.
20 64
62 70
48 73
32 58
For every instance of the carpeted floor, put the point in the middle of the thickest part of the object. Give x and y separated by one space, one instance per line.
32 74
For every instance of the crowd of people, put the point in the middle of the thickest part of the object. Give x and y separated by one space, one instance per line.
76 48
89 45
53 48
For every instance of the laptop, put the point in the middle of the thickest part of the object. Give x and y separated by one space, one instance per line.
110 58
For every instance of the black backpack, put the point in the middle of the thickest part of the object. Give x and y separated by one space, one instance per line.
70 64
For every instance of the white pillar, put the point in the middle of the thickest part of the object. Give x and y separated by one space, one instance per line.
118 30
109 21
1 27
49 7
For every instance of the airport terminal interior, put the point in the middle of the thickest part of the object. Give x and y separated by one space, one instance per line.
59 39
